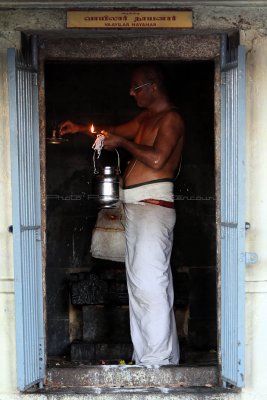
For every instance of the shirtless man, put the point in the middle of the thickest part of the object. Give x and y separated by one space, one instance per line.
155 140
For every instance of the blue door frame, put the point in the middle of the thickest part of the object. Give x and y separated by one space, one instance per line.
24 131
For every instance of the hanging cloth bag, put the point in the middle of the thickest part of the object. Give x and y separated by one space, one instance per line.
108 237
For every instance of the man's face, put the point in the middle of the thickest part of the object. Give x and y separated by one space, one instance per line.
141 90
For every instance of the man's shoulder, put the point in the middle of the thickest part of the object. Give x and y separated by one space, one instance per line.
172 123
172 114
173 111
168 115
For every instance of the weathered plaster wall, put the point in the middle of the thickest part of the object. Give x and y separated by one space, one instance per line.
256 277
204 18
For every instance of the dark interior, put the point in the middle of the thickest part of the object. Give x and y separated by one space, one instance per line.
95 329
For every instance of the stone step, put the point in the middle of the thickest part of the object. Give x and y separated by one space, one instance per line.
159 393
132 376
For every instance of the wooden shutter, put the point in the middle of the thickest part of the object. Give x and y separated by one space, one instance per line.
24 133
232 212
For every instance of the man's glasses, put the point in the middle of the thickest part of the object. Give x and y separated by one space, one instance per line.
137 88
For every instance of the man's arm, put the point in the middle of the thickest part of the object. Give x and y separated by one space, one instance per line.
170 132
127 130
69 127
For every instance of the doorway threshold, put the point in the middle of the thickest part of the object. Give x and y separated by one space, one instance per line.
160 393
132 376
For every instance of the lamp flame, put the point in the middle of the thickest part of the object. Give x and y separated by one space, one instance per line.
93 128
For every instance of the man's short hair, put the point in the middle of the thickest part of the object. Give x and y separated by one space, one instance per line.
153 73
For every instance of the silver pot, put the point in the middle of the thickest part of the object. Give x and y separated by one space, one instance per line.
106 185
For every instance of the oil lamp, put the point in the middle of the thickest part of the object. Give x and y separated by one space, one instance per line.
55 139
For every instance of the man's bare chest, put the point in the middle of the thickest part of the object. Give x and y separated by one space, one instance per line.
147 131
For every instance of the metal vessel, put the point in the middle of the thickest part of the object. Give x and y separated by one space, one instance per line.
106 184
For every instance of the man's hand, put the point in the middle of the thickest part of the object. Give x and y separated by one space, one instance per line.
111 141
68 127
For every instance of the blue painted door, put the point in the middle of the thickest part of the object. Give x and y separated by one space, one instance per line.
232 213
24 136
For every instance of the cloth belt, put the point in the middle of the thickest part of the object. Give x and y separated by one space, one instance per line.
162 203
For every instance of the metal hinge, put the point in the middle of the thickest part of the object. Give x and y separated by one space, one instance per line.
251 258
29 227
34 79
223 79
247 226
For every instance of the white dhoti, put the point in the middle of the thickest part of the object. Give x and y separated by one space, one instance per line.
149 238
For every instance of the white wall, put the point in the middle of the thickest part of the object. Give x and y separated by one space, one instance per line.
256 275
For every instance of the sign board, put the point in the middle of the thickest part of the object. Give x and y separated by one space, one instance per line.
130 19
